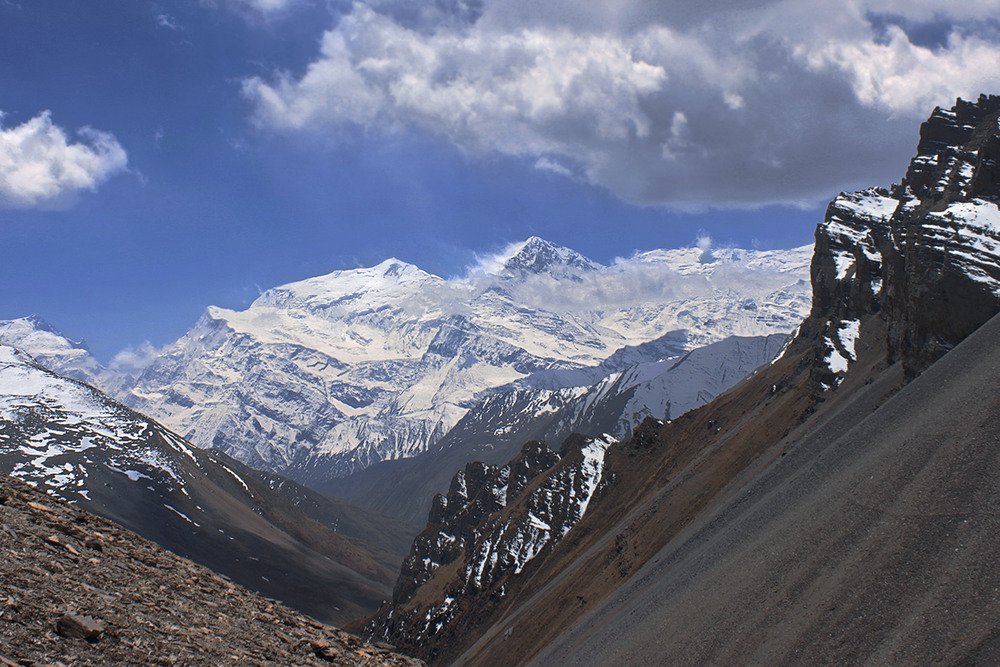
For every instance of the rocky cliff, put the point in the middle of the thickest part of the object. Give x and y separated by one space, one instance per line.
925 250
484 536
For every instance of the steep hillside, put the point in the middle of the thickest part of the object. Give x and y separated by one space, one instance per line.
865 539
859 512
71 440
81 590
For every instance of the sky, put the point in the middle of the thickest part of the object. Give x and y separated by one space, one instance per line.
160 157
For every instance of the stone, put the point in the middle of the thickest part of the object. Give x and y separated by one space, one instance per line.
73 626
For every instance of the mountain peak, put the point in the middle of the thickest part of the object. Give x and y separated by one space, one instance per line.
44 342
537 256
396 267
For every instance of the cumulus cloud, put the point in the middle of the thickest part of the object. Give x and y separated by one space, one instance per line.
41 168
685 103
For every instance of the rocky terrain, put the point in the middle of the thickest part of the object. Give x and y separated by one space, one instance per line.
79 590
834 507
492 524
71 440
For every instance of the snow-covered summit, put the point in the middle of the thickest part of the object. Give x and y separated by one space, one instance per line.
49 347
335 372
538 256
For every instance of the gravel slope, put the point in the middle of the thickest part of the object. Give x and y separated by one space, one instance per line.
872 542
137 603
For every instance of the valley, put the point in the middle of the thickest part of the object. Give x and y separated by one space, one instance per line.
700 455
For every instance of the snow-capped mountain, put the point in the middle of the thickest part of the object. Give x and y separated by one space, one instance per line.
669 383
327 375
51 348
70 440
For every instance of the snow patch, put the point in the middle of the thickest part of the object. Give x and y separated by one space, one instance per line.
181 514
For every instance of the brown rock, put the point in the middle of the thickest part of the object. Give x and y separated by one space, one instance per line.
80 627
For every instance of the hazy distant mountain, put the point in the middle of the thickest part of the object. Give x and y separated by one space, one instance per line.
49 347
328 375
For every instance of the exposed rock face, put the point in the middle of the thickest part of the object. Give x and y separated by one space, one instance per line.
899 277
132 603
483 536
926 252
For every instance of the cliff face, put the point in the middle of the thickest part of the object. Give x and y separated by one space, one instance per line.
485 536
926 252
900 276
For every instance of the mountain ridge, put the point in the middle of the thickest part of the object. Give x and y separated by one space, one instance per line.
82 590
72 441
326 376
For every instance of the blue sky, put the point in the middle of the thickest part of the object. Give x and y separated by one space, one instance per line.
196 151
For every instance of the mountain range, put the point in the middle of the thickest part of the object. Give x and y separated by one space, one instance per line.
327 376
835 507
324 377
322 556
617 464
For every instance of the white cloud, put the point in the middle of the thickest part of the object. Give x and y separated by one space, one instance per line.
904 77
268 6
167 21
40 168
741 103
132 360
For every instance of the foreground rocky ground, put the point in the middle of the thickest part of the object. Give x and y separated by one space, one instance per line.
78 590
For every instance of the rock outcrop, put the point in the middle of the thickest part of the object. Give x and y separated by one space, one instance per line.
926 252
483 537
